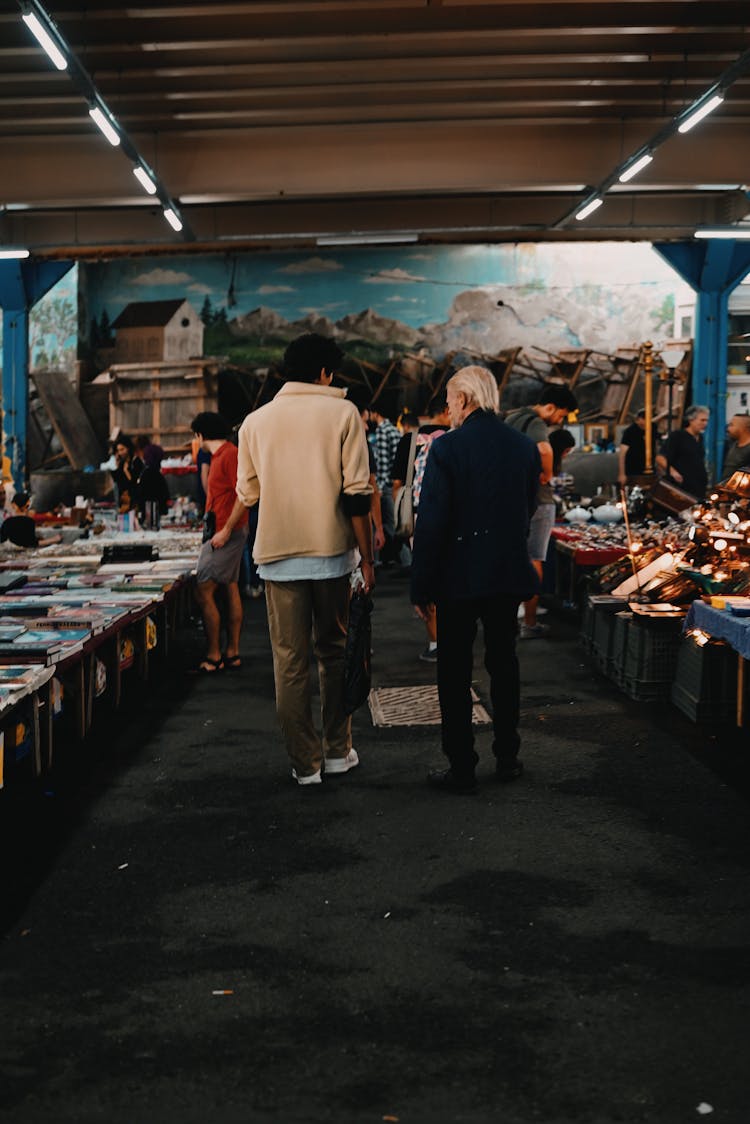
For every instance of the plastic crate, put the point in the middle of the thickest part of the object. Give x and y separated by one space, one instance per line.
622 624
586 635
595 630
641 690
650 658
705 682
607 639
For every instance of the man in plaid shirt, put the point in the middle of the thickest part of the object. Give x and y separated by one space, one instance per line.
384 443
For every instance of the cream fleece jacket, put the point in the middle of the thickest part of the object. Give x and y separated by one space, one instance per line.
300 455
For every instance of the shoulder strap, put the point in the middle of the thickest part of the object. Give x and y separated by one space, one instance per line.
527 422
412 453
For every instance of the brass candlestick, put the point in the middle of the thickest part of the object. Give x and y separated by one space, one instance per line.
648 378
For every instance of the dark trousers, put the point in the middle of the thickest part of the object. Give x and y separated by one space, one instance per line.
457 629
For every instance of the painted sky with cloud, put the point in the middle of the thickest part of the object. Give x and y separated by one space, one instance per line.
415 286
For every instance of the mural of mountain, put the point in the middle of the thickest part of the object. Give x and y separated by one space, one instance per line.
314 322
261 322
365 325
490 319
485 320
475 299
369 325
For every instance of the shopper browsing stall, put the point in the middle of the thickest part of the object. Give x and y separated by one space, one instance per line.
683 457
471 560
552 409
221 553
737 455
631 452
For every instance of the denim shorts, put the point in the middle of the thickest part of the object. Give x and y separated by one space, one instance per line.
540 529
222 565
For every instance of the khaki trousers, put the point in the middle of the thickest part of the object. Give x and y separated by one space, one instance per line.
304 615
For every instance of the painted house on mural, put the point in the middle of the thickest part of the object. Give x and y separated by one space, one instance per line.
158 330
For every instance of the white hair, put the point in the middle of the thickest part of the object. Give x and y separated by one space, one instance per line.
479 385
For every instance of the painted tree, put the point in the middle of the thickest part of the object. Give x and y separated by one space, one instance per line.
52 333
207 313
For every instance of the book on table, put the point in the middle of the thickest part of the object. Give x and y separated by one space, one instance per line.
19 674
9 632
48 645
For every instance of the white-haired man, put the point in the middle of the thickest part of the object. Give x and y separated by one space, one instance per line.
472 562
684 455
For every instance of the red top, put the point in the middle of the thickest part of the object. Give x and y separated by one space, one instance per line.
222 482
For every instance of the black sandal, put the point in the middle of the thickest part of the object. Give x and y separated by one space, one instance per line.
212 669
232 663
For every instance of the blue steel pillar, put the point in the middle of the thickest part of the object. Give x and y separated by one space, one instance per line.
22 284
15 393
713 268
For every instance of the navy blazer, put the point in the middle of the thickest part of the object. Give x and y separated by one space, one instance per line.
478 495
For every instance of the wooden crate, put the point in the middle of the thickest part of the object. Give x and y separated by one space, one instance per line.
159 400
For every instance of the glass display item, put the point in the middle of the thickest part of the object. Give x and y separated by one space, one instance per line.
608 513
738 484
675 588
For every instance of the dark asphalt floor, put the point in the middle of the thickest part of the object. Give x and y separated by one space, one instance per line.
572 947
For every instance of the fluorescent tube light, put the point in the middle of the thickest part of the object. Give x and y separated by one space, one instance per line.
365 239
144 179
701 112
106 126
589 208
739 232
45 40
13 255
636 167
172 218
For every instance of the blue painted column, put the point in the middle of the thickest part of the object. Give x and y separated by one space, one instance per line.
710 364
713 268
15 393
22 284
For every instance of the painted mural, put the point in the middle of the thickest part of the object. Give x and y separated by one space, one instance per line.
378 302
382 301
53 326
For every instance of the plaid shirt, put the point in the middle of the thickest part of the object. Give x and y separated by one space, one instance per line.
384 444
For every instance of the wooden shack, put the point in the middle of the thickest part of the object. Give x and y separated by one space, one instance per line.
148 331
159 400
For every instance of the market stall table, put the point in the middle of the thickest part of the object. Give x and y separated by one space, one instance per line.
578 557
106 607
26 685
722 624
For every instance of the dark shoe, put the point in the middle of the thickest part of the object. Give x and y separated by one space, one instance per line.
429 655
207 666
505 773
444 779
233 663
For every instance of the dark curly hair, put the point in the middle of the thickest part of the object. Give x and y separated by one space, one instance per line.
310 354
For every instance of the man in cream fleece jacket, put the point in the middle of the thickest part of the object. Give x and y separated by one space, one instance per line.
305 453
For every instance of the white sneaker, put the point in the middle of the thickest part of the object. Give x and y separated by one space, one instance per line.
532 631
342 764
314 778
540 611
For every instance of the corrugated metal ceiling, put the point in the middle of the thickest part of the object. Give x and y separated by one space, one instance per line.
277 121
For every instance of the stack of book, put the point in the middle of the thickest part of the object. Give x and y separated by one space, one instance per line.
42 645
17 680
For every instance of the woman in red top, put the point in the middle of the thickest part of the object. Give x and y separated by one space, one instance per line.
221 553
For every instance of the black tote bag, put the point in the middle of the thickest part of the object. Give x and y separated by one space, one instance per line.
357 657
